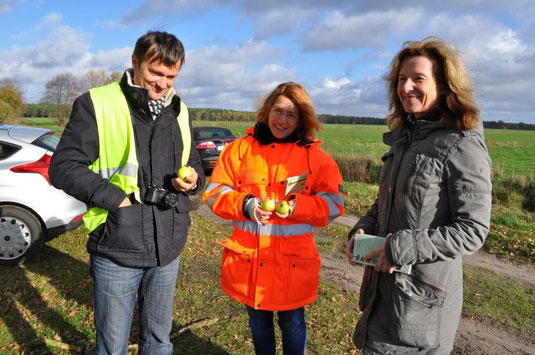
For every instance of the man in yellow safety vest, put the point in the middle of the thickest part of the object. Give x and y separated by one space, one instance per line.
119 154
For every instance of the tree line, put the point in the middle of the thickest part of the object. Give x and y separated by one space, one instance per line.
58 97
61 91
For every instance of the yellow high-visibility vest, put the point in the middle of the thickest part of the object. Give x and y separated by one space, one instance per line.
117 159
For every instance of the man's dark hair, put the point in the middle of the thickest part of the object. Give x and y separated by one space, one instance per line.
158 45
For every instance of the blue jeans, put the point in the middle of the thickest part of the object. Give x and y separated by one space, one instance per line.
292 324
115 288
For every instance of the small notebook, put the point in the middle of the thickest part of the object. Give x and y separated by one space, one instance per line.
295 184
364 243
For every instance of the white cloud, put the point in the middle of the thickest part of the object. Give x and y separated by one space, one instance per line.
500 61
150 9
61 49
231 77
335 83
371 29
337 49
112 60
49 21
280 21
7 5
344 97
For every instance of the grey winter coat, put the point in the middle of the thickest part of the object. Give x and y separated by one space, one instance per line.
435 198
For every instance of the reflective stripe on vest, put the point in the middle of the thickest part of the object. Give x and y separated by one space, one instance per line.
117 159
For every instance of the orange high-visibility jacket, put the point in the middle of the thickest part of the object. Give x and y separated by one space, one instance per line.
274 266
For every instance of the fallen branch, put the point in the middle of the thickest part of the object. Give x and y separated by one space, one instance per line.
206 322
193 325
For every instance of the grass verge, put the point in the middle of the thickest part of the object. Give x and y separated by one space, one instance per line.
47 305
499 300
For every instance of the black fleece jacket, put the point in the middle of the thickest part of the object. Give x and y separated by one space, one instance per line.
140 235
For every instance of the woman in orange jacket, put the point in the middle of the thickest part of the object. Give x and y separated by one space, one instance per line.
270 263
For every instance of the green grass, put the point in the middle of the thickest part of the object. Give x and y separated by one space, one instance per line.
47 305
358 148
510 151
357 139
45 122
512 234
359 196
499 300
48 302
332 239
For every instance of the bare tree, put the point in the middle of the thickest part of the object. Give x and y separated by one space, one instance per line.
94 78
116 76
60 92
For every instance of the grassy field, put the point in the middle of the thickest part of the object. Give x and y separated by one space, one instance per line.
513 154
49 123
47 305
510 151
512 233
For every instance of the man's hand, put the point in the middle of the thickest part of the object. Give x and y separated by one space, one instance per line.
350 244
126 202
187 184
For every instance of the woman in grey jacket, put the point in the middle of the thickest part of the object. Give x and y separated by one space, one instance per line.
433 205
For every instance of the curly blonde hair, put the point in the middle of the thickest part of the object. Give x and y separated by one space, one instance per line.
309 122
457 100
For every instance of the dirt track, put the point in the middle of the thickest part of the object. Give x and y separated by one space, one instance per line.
473 337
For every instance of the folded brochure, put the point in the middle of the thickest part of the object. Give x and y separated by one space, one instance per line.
364 243
295 184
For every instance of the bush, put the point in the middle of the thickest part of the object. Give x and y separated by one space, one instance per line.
514 190
358 168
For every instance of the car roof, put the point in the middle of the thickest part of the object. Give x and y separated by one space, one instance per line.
24 133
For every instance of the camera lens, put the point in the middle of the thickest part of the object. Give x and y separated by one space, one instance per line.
170 200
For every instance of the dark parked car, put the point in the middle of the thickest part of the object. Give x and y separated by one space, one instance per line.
210 142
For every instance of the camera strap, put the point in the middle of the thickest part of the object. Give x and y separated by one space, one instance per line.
146 182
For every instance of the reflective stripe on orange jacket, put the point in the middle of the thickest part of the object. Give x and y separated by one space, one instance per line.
273 266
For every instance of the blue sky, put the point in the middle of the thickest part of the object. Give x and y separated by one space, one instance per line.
237 50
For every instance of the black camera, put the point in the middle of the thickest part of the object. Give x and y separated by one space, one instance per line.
160 197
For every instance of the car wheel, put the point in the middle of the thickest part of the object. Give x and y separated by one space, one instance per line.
21 235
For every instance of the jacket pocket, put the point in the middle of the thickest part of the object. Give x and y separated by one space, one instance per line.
123 230
253 179
423 182
416 314
181 224
236 267
301 263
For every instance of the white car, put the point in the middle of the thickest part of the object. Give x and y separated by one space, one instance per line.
31 210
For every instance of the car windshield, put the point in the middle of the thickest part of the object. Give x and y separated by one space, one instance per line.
47 141
213 133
